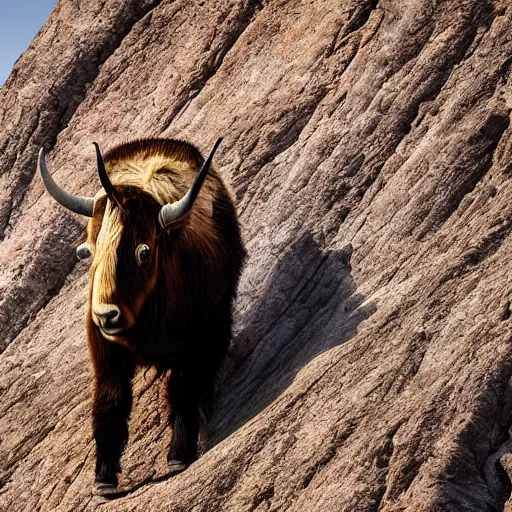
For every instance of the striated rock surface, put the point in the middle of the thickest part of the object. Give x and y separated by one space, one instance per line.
369 148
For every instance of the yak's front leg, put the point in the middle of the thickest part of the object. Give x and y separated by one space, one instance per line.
192 383
115 369
184 402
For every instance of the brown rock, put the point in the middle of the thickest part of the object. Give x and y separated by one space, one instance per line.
369 147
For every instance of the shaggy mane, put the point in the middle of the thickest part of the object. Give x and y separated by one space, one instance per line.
164 168
173 149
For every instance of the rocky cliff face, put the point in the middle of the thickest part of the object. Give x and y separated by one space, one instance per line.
369 148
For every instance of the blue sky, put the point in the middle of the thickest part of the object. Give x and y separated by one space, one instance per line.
20 20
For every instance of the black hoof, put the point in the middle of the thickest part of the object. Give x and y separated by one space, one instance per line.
104 489
175 466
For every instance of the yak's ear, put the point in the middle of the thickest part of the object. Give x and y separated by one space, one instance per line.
175 212
83 251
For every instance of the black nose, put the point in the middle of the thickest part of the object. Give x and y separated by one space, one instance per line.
109 316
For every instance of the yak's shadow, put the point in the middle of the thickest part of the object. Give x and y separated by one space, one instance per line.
309 306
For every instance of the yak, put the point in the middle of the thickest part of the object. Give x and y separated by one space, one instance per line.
166 255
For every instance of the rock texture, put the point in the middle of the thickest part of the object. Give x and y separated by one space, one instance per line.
369 148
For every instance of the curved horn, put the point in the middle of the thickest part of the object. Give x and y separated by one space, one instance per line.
105 181
77 204
171 212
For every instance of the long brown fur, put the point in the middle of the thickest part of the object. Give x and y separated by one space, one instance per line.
177 306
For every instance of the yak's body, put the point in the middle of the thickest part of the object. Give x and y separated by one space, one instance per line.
161 293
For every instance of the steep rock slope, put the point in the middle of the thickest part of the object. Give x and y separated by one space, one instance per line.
368 145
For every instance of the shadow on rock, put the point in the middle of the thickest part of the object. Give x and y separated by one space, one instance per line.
309 306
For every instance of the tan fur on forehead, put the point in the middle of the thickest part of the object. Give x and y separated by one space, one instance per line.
171 148
105 260
163 168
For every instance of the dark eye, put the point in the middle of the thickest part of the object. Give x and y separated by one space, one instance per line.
83 252
143 253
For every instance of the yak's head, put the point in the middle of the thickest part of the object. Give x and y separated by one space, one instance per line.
122 240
